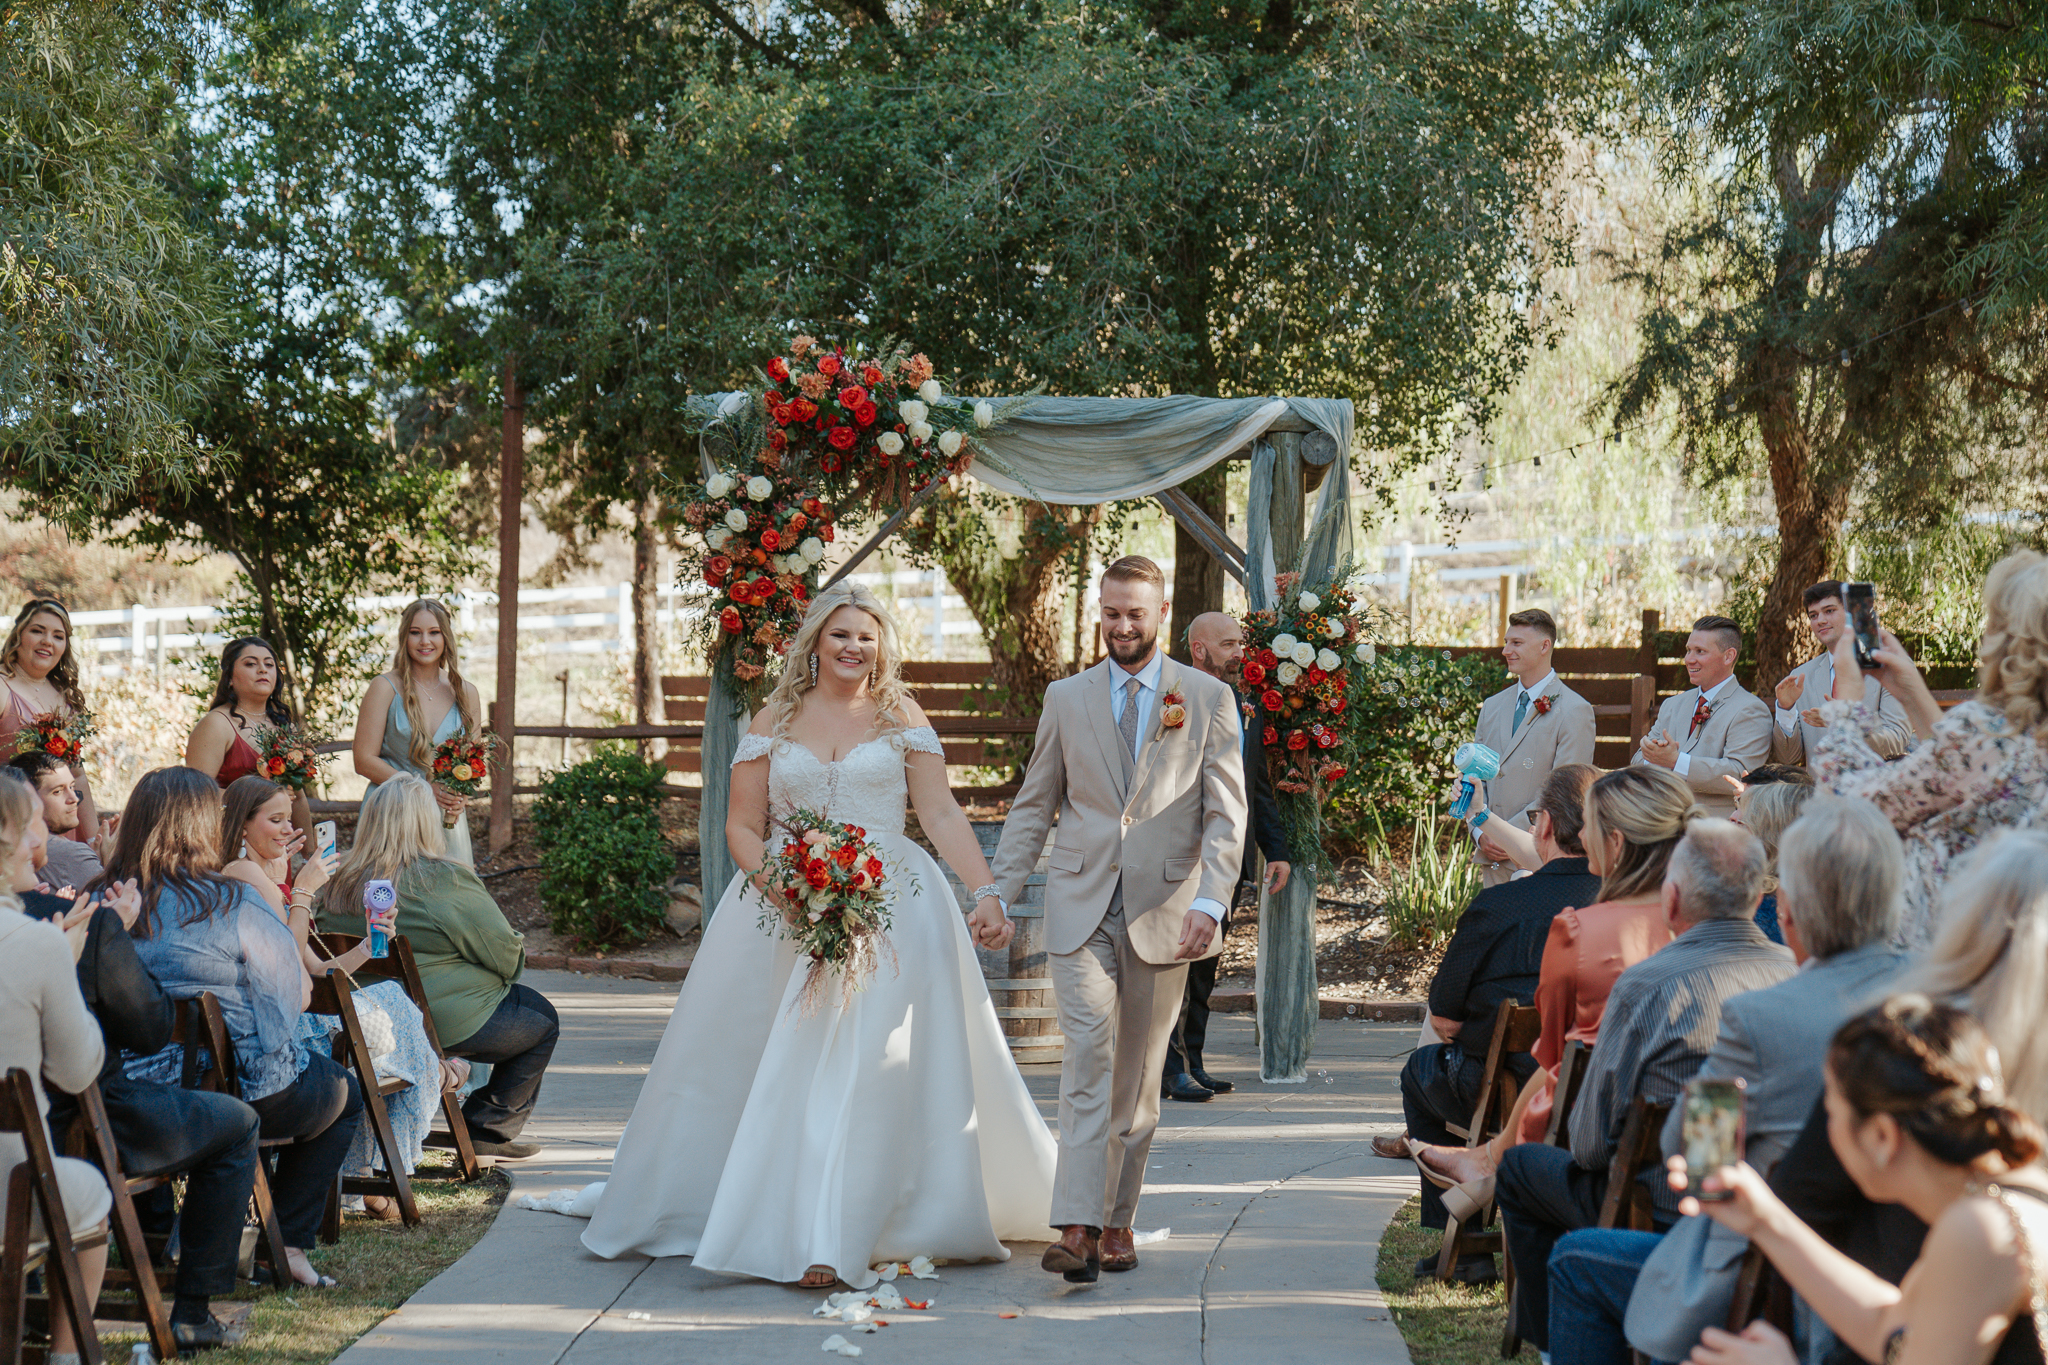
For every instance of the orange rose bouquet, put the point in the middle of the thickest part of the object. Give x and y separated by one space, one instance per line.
59 736
287 757
461 764
826 895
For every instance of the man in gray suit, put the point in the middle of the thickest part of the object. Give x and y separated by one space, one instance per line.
1803 689
1715 729
1537 725
1841 867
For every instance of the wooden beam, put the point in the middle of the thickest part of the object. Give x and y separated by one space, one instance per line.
1196 523
511 484
874 542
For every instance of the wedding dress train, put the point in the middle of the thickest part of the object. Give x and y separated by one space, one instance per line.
881 1124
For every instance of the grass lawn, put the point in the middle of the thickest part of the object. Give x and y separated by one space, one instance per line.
379 1265
1443 1324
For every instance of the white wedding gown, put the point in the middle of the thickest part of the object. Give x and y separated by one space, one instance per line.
890 1122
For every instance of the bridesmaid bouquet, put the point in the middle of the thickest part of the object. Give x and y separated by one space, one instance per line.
288 758
829 877
461 763
59 736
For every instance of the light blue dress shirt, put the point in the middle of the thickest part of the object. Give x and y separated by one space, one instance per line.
1148 699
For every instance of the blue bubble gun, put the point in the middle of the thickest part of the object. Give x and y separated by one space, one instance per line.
1475 764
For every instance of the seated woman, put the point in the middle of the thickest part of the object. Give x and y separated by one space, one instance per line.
256 823
201 931
1770 800
1917 1113
470 958
1981 768
1634 819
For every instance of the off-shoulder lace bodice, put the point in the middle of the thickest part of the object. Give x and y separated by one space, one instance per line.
866 788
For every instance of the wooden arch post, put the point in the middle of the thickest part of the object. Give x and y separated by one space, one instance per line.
511 485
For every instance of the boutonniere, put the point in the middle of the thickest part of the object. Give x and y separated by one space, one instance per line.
1173 711
1702 712
1543 704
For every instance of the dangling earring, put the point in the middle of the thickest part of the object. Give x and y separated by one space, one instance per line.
814 670
245 849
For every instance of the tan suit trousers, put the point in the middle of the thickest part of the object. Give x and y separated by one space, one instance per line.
1117 1012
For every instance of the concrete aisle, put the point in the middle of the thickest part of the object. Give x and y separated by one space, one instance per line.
1274 1198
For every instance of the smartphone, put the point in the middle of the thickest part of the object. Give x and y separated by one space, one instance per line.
1712 1129
378 895
323 838
1859 600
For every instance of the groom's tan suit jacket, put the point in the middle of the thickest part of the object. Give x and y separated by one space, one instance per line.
1168 827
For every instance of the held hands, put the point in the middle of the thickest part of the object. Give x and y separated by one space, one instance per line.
1660 748
1197 931
988 926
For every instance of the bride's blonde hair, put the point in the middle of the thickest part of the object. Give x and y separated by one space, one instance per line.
885 684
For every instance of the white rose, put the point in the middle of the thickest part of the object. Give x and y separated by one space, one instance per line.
779 563
813 549
759 487
984 415
1303 653
1327 660
930 391
1283 645
890 442
920 431
1309 601
717 537
736 519
949 443
718 485
1364 653
1334 629
1288 674
912 412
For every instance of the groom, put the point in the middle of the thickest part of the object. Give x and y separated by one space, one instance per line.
1138 758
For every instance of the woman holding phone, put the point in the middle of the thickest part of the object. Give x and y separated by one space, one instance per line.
247 702
41 671
417 706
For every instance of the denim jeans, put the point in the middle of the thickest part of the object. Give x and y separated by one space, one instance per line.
1439 1086
1592 1273
320 1111
218 1136
517 1040
1542 1194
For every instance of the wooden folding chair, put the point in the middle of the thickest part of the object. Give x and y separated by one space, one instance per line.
202 1026
33 1185
1515 1029
92 1139
1628 1204
1760 1292
400 966
331 995
1571 1078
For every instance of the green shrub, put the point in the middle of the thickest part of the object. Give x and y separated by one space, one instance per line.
1420 706
605 863
1426 894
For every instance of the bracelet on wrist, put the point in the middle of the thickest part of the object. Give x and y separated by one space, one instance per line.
982 893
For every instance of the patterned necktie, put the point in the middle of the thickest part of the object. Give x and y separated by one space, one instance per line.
1521 712
1700 714
1127 724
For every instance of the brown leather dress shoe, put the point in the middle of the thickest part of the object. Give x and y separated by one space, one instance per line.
1076 1254
1393 1148
1119 1250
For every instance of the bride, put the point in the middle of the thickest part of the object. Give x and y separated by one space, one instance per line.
781 1138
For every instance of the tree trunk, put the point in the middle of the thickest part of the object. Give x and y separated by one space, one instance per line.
646 623
1197 574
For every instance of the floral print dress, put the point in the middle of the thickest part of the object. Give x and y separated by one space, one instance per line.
1977 775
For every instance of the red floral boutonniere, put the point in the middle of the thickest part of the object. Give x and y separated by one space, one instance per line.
1173 711
1701 714
1543 704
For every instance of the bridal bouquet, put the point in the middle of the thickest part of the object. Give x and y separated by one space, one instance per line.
461 763
57 735
828 878
288 758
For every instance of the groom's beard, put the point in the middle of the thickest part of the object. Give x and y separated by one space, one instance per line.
1134 651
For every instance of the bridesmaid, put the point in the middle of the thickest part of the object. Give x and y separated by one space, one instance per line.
245 704
41 672
433 705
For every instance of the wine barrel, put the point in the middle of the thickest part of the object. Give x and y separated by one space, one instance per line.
1019 977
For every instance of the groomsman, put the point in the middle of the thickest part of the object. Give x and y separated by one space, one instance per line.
1216 644
1813 682
1537 725
1715 729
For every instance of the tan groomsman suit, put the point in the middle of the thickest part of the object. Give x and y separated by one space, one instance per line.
1140 840
1560 734
1734 739
1793 740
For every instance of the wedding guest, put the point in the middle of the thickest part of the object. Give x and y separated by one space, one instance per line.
1494 955
420 704
248 699
1981 768
158 1129
1537 725
201 931
1216 645
1919 1117
470 958
1800 692
40 668
1770 800
1714 729
1842 871
66 862
1661 1020
46 1030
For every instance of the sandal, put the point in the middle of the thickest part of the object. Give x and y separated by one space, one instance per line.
818 1277
1469 1202
382 1208
1429 1172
